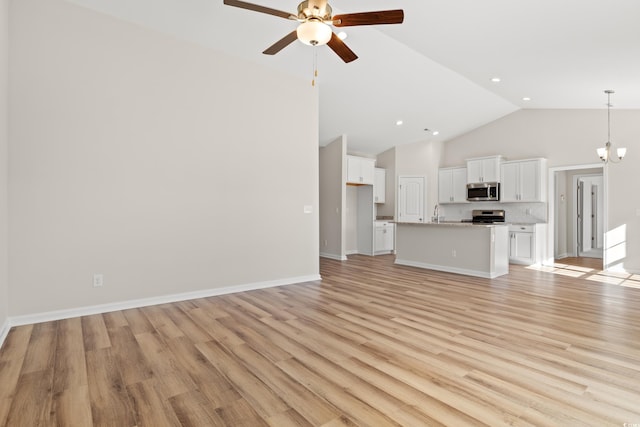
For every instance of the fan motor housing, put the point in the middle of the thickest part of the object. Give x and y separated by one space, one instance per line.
306 12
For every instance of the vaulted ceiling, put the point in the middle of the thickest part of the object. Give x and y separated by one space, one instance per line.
435 70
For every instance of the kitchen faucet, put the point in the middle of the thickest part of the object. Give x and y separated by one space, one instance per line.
436 215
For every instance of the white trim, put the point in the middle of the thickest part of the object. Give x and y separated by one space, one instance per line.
574 214
165 299
548 258
449 269
333 256
4 331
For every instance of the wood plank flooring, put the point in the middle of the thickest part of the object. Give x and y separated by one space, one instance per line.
595 263
373 344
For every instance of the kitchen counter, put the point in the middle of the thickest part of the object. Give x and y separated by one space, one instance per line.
451 223
480 250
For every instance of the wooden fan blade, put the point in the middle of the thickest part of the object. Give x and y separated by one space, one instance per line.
282 43
341 49
258 8
369 18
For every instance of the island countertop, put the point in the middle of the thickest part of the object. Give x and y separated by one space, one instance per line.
453 223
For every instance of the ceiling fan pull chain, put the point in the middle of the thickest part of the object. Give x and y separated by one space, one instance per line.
315 65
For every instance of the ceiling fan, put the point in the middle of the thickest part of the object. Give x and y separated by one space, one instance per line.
315 17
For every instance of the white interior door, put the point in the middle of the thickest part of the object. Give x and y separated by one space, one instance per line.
590 210
597 187
411 198
586 215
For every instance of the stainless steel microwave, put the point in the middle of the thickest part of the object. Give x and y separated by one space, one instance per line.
483 191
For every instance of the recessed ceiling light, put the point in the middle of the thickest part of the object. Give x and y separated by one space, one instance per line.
342 35
496 79
399 123
526 98
435 132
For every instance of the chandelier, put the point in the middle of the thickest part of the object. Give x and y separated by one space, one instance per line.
605 152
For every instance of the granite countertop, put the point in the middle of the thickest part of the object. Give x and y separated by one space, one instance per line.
452 224
526 223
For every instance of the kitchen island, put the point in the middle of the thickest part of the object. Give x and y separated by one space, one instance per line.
480 250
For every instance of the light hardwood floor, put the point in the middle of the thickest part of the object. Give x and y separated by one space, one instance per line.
595 263
373 344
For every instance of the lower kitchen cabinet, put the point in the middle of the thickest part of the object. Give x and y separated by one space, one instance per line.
384 237
526 243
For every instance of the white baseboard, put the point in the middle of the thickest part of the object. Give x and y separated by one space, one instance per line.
333 256
561 256
4 331
448 269
165 299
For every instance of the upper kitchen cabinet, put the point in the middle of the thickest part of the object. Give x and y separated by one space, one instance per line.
379 190
484 169
360 170
452 185
523 181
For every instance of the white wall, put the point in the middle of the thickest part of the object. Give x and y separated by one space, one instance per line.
570 137
387 161
421 158
333 199
4 165
167 167
562 215
351 223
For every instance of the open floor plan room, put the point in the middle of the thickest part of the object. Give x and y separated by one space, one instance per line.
372 344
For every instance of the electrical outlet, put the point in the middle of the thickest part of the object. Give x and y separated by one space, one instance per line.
454 253
98 280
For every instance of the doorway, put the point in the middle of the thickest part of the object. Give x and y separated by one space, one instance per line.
577 214
588 215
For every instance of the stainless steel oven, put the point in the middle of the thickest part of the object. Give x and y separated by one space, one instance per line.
494 216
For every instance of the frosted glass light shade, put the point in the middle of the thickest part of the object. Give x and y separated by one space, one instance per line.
602 153
621 152
314 33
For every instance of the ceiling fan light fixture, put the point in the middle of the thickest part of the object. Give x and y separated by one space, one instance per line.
314 32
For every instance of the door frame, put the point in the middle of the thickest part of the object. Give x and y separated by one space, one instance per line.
552 209
574 183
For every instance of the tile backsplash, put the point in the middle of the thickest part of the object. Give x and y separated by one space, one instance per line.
514 212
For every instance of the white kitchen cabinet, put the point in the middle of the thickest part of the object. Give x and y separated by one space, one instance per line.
384 237
360 170
483 169
523 181
526 243
379 190
452 185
